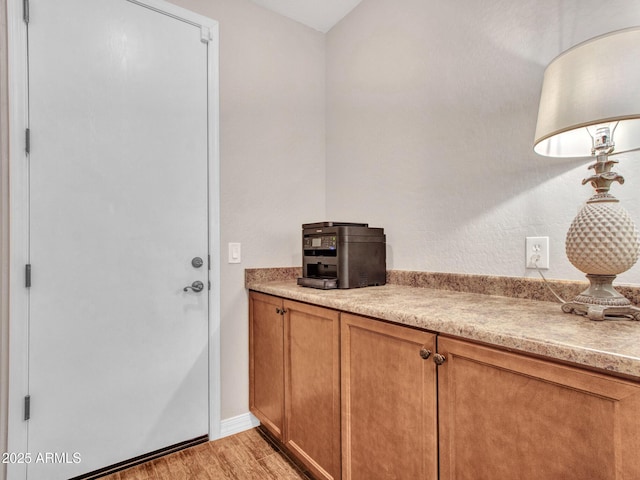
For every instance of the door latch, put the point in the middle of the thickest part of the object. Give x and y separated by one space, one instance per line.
196 286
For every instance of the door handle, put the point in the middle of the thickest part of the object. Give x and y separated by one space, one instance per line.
196 286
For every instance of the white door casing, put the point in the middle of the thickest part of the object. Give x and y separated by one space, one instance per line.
82 264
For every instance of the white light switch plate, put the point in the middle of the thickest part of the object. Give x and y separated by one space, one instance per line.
235 253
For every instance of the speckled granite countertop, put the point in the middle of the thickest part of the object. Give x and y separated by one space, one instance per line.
529 326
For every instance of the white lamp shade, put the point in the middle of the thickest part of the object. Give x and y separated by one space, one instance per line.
594 83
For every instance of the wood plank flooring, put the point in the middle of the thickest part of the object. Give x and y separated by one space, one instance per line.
245 456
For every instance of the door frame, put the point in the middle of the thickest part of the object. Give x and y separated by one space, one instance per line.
17 428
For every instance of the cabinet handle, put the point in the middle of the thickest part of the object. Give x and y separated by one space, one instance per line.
278 311
439 359
424 353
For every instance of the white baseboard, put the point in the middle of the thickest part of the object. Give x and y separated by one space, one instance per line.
233 425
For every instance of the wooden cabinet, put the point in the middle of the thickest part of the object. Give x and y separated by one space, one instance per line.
266 361
505 415
294 378
389 417
312 387
354 398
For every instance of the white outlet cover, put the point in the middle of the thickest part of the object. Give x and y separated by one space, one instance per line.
537 248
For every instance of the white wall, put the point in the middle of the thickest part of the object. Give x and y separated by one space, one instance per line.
272 158
431 113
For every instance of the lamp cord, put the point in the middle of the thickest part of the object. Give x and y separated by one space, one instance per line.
535 259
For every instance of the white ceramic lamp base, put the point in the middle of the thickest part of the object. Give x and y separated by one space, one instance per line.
602 242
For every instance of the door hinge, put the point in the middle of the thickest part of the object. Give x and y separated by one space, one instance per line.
208 262
27 407
27 275
27 141
25 10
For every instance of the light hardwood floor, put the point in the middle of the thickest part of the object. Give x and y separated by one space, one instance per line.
245 456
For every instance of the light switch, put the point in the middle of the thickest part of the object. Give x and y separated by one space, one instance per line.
235 253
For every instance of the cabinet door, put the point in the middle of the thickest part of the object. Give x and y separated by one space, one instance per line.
389 422
504 415
312 387
266 361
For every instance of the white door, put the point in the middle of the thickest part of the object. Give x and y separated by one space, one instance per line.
118 350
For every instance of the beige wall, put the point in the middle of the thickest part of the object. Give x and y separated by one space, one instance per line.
431 112
272 158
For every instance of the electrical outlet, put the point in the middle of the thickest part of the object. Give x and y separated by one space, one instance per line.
537 252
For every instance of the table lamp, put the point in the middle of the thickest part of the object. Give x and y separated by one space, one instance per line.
590 107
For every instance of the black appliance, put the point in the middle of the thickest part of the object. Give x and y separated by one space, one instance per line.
342 255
